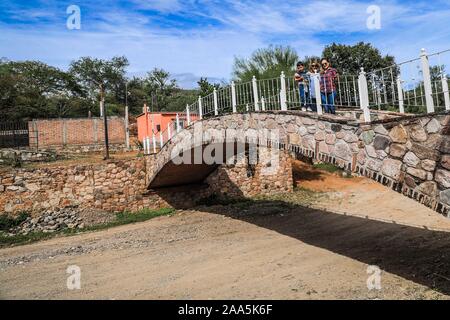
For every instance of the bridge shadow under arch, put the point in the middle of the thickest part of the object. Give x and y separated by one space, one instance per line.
416 254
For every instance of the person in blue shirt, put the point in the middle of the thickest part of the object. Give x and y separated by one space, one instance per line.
300 78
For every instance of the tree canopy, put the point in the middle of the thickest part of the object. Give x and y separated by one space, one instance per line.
33 89
265 63
351 58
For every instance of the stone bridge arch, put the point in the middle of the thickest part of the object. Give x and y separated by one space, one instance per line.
409 154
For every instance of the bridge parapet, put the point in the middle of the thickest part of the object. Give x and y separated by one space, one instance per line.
409 154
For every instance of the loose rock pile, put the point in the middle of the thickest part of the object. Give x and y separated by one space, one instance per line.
51 221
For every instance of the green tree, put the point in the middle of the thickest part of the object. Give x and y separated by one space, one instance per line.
265 63
31 89
349 59
206 88
159 87
100 77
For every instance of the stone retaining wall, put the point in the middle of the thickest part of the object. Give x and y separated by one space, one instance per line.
11 155
122 185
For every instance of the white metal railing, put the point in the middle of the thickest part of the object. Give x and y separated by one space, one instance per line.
414 86
410 86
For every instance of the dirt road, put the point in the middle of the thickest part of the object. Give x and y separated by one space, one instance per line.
262 249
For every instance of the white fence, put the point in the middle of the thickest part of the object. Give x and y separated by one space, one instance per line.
411 86
415 86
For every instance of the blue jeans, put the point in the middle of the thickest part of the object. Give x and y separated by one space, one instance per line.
313 104
302 93
328 101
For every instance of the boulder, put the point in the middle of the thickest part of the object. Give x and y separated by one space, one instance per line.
442 177
319 136
418 173
428 188
330 139
398 134
374 165
417 133
433 126
445 196
428 165
397 150
350 137
342 150
424 152
371 152
411 159
445 161
380 129
391 168
380 142
367 136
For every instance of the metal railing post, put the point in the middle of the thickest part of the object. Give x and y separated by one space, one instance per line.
364 95
178 123
154 142
263 104
216 104
401 102
255 93
233 96
283 99
445 91
427 81
188 116
317 93
200 108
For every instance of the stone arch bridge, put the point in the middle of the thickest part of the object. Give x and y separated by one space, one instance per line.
407 153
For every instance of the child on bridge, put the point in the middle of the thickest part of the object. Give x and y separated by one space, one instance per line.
300 78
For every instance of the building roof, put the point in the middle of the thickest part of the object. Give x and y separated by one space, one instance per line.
164 113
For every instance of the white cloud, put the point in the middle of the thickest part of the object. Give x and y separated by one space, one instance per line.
201 37
159 5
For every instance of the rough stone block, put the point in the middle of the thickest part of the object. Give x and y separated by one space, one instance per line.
398 134
391 168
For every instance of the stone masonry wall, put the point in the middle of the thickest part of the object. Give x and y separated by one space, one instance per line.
410 154
244 180
114 186
118 185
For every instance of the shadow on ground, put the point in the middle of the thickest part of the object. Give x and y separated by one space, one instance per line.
419 255
416 254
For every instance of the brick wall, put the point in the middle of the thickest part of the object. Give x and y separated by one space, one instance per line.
69 132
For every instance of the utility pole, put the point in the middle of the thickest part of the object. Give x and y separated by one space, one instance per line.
127 129
105 121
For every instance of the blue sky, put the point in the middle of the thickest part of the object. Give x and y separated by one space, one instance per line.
196 38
